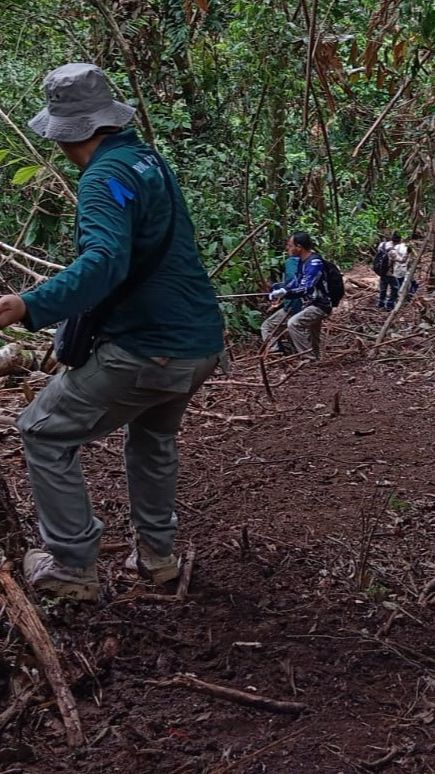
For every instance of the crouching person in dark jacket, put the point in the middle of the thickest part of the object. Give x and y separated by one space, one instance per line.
153 350
310 285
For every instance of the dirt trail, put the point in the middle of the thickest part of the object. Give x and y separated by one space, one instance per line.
313 531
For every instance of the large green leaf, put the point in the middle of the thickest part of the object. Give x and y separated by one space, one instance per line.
24 174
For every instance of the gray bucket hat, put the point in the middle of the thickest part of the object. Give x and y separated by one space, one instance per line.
79 102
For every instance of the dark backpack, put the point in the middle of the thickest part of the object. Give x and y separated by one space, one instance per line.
334 278
381 261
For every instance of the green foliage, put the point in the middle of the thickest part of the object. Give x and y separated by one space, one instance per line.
225 91
25 174
398 505
376 592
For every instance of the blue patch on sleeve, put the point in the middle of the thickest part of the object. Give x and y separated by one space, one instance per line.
120 193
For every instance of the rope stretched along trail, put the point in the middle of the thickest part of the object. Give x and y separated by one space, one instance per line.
241 295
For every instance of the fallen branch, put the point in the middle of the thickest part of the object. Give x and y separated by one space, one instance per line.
252 700
267 387
225 418
358 348
186 574
25 269
24 617
350 330
41 261
138 594
231 382
380 763
287 358
399 339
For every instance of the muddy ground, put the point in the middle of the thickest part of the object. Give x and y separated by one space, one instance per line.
312 518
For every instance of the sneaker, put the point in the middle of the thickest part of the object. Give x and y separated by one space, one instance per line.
148 564
44 573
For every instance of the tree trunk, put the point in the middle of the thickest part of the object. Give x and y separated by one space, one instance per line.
193 97
276 182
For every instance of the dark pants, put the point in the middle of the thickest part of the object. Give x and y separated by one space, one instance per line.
388 283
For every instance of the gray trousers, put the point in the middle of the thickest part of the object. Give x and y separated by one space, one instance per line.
270 324
113 389
304 330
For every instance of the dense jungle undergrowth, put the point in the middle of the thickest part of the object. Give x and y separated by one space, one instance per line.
303 640
276 115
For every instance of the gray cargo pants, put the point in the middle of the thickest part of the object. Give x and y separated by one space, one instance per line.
304 330
113 389
271 324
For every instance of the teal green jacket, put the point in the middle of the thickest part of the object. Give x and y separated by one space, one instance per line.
291 266
123 213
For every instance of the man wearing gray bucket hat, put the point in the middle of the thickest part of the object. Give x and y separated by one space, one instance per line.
79 103
159 336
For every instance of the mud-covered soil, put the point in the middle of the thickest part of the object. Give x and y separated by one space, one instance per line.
313 519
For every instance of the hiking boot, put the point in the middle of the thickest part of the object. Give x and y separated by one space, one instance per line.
44 573
160 569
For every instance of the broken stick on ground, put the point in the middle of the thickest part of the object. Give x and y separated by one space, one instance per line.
253 700
186 574
23 615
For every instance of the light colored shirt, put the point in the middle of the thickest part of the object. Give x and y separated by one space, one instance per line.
398 254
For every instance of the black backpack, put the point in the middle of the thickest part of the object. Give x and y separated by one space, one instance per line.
334 278
381 261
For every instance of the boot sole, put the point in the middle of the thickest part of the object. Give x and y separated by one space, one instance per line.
66 589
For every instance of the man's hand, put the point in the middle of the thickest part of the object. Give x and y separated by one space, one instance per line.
276 295
12 310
